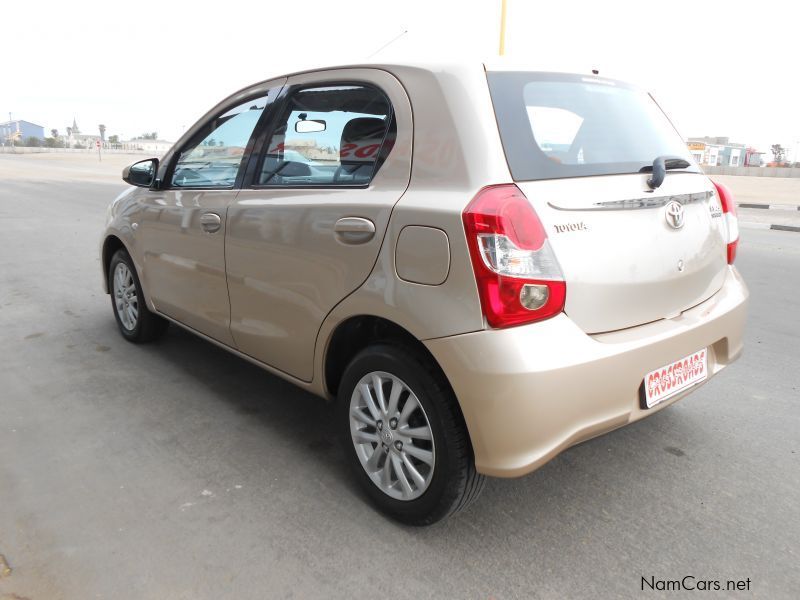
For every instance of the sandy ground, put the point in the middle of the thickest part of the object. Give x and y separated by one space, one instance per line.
763 190
66 167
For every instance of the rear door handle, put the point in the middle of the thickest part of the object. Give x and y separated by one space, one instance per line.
210 222
354 230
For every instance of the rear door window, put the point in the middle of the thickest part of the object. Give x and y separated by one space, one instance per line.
328 136
555 125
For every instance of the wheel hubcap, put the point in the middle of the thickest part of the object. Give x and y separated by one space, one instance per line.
126 301
392 436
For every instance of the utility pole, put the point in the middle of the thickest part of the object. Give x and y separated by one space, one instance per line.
503 27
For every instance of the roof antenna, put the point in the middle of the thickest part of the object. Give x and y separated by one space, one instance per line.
389 43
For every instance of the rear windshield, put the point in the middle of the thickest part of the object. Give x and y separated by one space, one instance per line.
554 125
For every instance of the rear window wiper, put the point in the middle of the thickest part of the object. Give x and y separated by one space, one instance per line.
660 166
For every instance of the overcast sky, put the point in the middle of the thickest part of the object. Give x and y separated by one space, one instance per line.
725 67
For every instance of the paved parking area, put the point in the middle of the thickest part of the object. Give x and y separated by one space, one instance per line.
177 471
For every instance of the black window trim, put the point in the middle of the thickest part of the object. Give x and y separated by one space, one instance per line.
268 128
201 133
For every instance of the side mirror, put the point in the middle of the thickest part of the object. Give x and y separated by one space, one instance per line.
310 126
142 173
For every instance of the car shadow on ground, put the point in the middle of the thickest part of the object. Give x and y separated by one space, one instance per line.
301 423
297 419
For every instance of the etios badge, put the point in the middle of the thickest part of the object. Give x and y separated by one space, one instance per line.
674 214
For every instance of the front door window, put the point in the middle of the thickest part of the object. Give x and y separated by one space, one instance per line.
213 160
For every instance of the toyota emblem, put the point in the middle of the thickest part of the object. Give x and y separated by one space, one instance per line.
674 214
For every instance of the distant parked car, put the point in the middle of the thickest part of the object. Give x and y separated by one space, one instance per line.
483 267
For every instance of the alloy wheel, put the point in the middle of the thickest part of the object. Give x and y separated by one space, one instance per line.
392 435
126 300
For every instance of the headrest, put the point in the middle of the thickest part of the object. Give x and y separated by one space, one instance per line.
361 139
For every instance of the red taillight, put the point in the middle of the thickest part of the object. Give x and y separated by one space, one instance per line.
731 220
519 279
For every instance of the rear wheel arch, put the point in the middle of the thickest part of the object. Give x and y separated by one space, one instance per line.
355 333
451 483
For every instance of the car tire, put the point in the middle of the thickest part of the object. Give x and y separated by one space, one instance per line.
135 321
439 488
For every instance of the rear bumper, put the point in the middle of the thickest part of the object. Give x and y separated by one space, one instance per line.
529 392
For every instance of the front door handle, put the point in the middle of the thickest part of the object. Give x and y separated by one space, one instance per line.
354 230
210 222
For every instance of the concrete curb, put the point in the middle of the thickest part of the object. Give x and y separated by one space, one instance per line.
774 227
768 206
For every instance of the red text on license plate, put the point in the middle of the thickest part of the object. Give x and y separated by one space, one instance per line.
675 377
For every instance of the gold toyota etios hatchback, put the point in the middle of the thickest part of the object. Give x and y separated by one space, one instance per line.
481 266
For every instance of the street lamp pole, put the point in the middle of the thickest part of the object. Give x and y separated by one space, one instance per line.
503 27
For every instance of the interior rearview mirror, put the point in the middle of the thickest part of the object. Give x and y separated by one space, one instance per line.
142 173
310 126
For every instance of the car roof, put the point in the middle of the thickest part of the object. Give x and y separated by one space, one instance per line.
493 64
472 68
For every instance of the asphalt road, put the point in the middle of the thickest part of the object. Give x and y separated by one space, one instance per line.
176 471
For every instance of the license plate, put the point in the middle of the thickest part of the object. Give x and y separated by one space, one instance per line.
675 377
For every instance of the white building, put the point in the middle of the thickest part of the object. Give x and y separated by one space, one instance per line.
721 152
155 147
76 138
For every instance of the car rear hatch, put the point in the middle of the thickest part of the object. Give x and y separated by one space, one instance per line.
582 149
